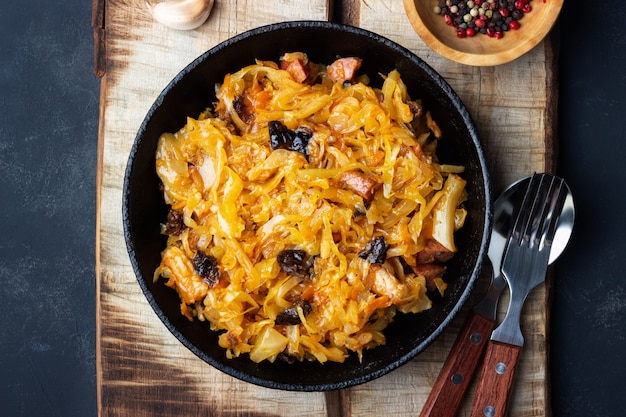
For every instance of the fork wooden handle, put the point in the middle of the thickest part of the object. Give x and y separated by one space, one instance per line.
496 380
448 391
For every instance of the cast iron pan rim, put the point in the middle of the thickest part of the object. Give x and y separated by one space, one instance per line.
465 116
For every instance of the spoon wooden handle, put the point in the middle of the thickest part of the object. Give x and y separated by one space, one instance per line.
448 391
496 380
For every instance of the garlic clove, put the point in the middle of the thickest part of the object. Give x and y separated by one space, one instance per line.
181 14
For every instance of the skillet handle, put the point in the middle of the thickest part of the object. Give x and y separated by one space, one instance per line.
496 380
448 391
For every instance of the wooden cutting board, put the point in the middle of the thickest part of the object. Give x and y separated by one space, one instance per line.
142 369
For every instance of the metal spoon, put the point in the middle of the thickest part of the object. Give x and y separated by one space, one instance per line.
524 266
456 374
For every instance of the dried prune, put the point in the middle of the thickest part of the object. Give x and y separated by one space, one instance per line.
206 267
244 113
175 224
375 251
287 358
281 137
295 262
290 315
238 105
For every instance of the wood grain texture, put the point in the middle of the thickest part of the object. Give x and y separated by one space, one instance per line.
462 362
495 383
142 369
99 38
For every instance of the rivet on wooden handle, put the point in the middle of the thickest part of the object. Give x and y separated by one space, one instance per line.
449 389
496 380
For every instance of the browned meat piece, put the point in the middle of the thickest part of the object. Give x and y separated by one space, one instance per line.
433 252
296 68
430 271
343 69
384 283
360 183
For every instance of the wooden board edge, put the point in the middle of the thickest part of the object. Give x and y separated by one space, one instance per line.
338 403
98 246
549 285
552 100
552 44
350 12
99 37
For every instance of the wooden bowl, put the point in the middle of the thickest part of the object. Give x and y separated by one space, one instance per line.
481 50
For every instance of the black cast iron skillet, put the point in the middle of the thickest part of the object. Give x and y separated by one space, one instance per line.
191 91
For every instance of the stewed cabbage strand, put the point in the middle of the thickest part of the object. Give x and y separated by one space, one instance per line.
307 209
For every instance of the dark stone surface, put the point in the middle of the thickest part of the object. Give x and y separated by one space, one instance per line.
48 142
588 344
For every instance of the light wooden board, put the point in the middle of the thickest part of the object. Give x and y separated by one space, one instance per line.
142 369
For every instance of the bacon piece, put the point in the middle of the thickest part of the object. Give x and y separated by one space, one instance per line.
433 252
430 271
343 69
179 271
296 68
360 183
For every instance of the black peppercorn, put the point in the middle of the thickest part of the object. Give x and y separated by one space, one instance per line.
486 17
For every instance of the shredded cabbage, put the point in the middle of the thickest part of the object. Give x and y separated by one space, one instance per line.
242 203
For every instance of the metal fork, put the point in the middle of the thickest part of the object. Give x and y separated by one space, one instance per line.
524 266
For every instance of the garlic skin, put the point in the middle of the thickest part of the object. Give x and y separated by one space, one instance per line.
180 14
